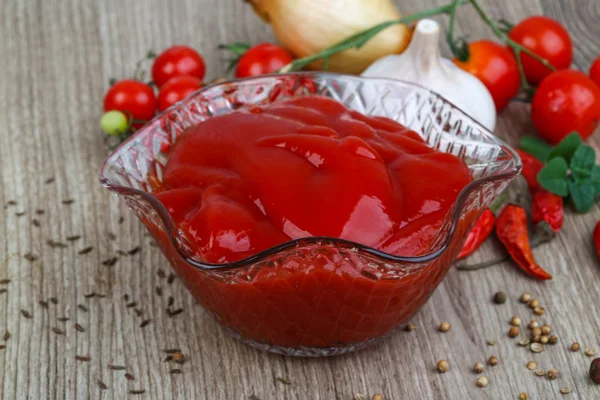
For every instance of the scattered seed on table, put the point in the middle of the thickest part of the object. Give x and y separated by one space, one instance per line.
30 257
82 307
491 342
36 223
137 391
172 350
285 381
2 346
377 396
11 203
531 365
145 323
565 390
63 319
515 321
68 201
482 381
121 219
525 297
544 339
26 314
131 304
523 396
174 312
536 347
110 262
590 351
410 327
57 331
357 396
444 327
138 312
595 371
125 297
478 367
83 358
171 278
170 301
73 238
117 367
129 376
443 366
533 303
500 298
39 211
552 374
553 339
134 251
55 245
86 250
6 336
493 361
539 311
575 346
79 328
53 300
514 331
89 295
100 295
20 214
168 358
111 236
161 273
546 329
523 342
101 384
49 181
43 303
4 281
540 372
178 357
175 371
159 291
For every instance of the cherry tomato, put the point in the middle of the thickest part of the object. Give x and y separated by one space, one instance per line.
177 89
134 98
496 67
566 101
114 123
264 58
548 39
595 71
177 61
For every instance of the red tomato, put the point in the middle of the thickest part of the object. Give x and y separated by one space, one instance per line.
595 71
548 39
134 98
177 61
264 58
496 67
566 101
177 89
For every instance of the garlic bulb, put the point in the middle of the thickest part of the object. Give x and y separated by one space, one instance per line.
305 27
421 63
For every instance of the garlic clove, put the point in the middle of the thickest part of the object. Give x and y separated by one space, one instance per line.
422 64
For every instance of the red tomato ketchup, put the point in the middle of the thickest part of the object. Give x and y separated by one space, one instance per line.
244 182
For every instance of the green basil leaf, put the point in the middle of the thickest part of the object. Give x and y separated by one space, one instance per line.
596 178
583 195
583 162
553 177
566 148
536 147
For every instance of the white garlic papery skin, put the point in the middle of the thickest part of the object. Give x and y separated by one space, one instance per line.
421 63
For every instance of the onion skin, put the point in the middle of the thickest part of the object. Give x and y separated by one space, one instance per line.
306 27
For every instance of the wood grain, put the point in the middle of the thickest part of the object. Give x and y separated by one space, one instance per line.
56 59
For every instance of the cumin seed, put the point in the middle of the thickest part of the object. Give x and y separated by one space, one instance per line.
26 314
171 278
36 223
86 250
129 376
159 291
20 214
79 328
168 358
6 336
101 384
100 295
110 262
11 203
43 303
131 305
49 181
121 219
54 300
137 391
161 273
175 312
172 350
145 323
68 201
83 358
54 244
4 281
30 257
73 238
39 211
135 250
57 331
170 301
82 307
175 371
117 367
285 381
126 297
63 319
138 312
89 295
2 346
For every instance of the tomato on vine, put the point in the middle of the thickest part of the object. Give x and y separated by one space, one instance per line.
176 89
566 101
264 58
495 66
134 98
177 61
548 39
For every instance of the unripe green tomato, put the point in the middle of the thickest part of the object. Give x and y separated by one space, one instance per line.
114 123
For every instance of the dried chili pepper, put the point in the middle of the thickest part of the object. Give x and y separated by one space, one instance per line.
483 228
511 228
597 237
531 168
546 206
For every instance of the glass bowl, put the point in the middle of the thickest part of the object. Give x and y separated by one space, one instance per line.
314 296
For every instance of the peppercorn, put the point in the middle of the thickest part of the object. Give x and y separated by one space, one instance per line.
515 321
514 331
478 367
482 381
534 303
595 371
552 374
493 361
445 327
500 298
575 346
443 366
525 297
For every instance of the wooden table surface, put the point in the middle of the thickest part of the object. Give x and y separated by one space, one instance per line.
56 59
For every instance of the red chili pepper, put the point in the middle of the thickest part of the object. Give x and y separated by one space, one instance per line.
597 237
511 228
531 168
546 206
483 228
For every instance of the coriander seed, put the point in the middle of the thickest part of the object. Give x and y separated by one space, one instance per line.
553 339
514 331
482 381
534 303
523 396
444 327
491 342
590 351
525 297
540 372
539 311
536 332
515 321
536 347
493 361
523 342
544 339
178 357
478 367
533 324
377 396
546 329
575 346
531 365
443 366
552 374
565 390
500 298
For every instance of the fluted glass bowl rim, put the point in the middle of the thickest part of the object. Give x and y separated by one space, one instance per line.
171 226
